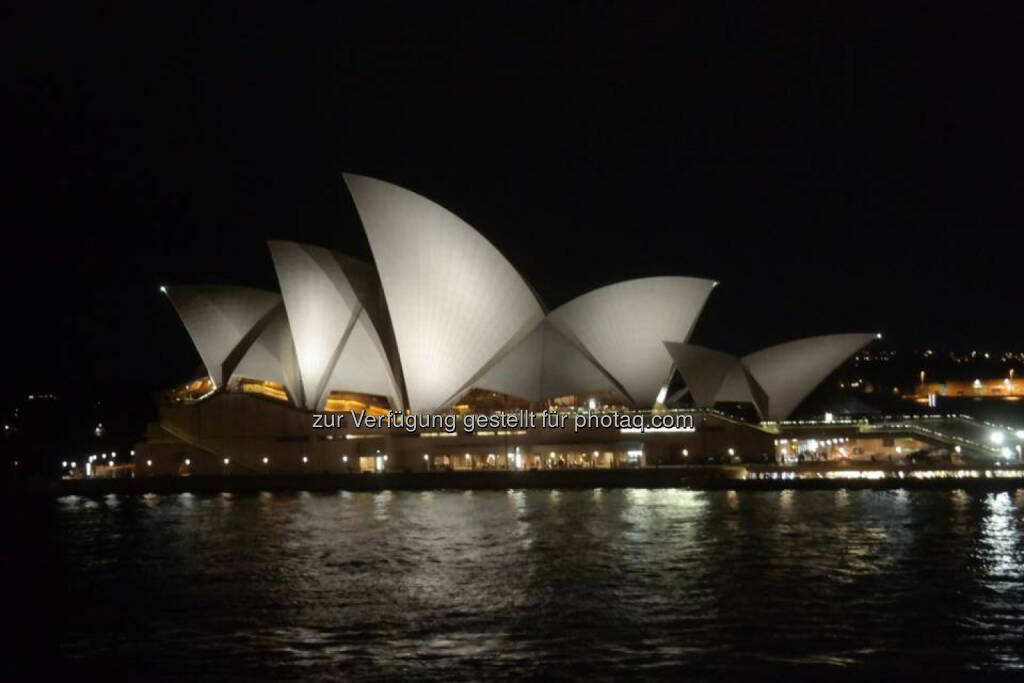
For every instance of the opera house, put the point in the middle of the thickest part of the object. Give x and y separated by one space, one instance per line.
440 323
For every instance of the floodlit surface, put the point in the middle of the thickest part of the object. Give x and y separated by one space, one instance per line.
624 326
218 318
775 379
545 364
272 356
789 372
455 301
336 343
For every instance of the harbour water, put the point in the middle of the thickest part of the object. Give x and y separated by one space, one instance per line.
496 585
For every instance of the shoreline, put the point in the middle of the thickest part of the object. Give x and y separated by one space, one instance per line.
702 479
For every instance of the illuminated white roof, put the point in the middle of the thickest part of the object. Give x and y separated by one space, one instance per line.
455 302
219 319
544 365
623 326
789 372
704 371
326 314
363 366
272 357
775 379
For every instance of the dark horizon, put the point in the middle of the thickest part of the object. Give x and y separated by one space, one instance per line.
834 169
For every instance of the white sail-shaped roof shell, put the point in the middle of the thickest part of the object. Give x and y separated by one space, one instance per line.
789 372
623 326
219 319
362 366
454 301
272 356
704 370
775 379
544 365
326 314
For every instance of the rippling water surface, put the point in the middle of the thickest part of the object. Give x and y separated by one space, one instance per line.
519 584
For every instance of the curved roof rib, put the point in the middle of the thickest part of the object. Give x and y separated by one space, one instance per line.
222 322
790 371
624 325
329 302
454 301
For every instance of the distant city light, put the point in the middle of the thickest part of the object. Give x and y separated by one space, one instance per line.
149 463
227 461
265 460
188 462
163 290
997 438
305 459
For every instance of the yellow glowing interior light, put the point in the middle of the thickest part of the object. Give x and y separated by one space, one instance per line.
265 388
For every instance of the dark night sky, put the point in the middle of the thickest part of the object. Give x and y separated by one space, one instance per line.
838 169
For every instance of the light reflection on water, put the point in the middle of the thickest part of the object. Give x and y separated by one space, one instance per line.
517 584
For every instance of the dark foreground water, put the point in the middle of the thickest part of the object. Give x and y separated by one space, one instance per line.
526 584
